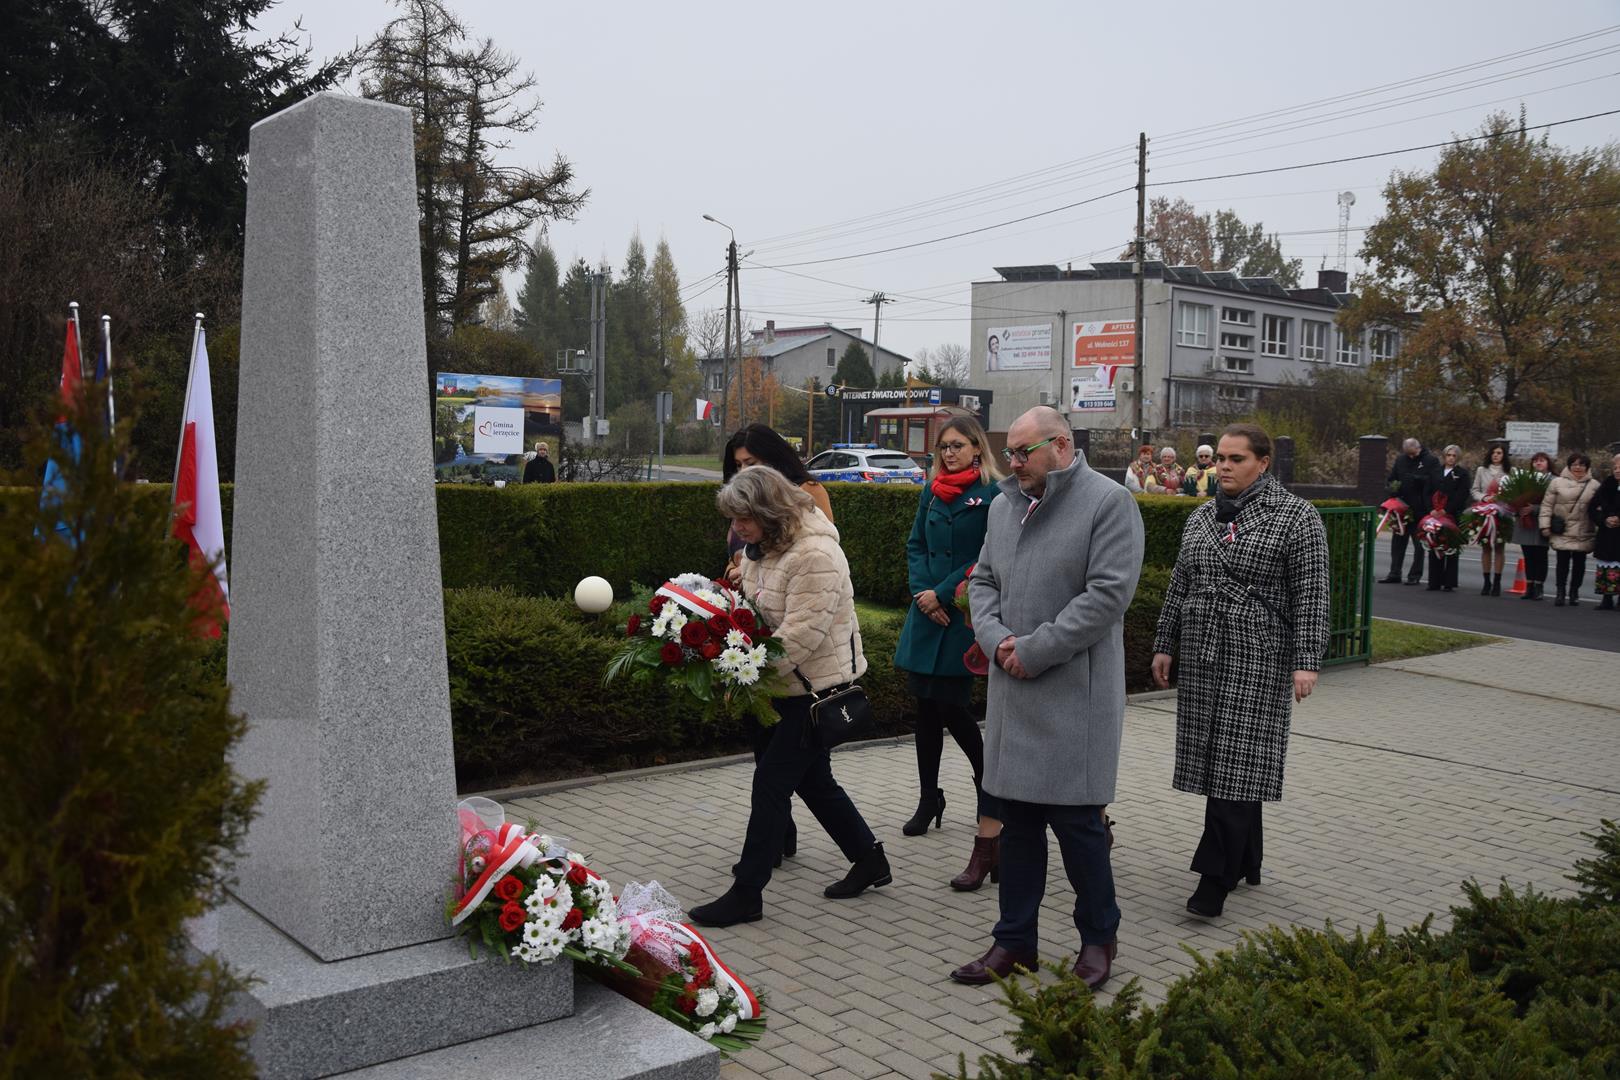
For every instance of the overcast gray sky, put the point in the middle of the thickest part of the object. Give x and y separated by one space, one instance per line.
838 129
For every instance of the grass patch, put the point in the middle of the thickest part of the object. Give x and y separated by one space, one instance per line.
1392 640
690 461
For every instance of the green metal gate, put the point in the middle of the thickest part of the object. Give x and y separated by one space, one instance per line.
1350 531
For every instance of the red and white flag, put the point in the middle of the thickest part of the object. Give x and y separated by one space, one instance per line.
705 409
197 517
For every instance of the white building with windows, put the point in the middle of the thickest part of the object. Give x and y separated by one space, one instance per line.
1213 342
798 356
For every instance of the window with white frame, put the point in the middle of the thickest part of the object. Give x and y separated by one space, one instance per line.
1235 393
1385 344
717 381
1237 316
1349 350
1231 340
1274 330
1313 340
1192 327
1240 365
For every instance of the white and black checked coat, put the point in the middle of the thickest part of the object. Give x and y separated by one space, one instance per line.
1247 607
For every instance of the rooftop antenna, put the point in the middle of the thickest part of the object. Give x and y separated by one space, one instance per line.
1347 199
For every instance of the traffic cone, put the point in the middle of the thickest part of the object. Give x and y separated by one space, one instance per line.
1518 580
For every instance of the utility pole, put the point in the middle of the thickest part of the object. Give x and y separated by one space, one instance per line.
877 300
598 358
736 307
1141 255
731 273
810 418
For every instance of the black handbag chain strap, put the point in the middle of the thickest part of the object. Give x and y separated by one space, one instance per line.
812 689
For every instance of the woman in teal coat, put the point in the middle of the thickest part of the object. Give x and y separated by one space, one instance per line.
945 540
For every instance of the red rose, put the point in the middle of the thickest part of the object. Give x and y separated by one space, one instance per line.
577 874
718 625
508 888
511 917
670 653
572 920
709 649
632 627
694 634
656 604
744 620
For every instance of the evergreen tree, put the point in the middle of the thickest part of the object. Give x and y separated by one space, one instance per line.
855 369
635 369
538 299
570 327
120 816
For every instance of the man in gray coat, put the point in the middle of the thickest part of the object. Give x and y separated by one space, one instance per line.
1056 573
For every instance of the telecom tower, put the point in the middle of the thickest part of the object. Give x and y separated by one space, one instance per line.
1347 199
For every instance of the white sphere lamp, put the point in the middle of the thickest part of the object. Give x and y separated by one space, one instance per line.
593 595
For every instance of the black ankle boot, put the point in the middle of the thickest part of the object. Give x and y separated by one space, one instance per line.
1209 899
870 871
1496 584
738 905
1559 600
1486 591
929 806
790 841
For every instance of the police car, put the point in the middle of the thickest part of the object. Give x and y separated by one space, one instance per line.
864 463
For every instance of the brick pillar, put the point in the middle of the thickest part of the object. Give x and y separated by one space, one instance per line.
1082 442
1282 459
1372 474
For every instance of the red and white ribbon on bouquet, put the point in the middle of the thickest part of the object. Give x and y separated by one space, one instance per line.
509 848
1491 514
747 1003
655 928
1395 511
689 600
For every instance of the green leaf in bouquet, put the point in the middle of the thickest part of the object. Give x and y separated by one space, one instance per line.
699 680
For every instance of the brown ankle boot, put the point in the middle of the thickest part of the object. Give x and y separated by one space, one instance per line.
986 859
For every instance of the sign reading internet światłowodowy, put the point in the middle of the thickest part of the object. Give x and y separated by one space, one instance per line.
497 430
1526 438
1104 342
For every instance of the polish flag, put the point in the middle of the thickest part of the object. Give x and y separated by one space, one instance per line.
705 409
197 517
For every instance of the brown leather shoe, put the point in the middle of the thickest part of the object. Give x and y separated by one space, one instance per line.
996 962
986 860
1095 963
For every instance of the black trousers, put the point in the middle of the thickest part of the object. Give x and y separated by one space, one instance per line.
1535 563
1231 845
786 766
934 718
1397 555
1569 561
1084 845
1443 570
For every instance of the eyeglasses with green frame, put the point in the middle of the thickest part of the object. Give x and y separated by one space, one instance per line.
1020 456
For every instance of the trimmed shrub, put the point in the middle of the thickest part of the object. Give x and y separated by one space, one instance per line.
1522 986
120 816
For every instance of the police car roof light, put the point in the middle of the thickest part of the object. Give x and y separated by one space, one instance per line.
855 446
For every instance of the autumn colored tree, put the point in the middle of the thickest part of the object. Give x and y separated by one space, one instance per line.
1179 235
1499 264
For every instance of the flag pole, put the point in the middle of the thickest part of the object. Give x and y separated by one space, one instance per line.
78 334
106 351
185 409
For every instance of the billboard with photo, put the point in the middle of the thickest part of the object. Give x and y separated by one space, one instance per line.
1092 387
1105 342
1018 348
485 425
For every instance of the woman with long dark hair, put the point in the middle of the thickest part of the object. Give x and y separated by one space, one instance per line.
953 510
1247 613
1527 534
1487 478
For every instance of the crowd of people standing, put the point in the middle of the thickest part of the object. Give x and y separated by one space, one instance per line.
1048 558
1577 516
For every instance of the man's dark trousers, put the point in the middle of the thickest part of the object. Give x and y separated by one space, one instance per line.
1083 840
1397 555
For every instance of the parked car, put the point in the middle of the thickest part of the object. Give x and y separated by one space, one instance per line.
864 463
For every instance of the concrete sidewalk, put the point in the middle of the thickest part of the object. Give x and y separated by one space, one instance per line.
1403 780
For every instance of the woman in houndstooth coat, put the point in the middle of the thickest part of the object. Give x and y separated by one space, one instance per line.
1247 614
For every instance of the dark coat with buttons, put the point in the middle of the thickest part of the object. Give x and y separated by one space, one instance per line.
945 540
1246 608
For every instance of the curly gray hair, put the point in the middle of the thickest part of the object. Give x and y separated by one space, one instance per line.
770 499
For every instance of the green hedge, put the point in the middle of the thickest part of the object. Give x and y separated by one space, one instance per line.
1523 985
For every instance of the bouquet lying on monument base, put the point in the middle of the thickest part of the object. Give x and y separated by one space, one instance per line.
526 896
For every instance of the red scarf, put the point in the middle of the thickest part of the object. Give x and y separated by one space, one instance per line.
948 486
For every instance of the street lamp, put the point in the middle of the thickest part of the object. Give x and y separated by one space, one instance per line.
733 303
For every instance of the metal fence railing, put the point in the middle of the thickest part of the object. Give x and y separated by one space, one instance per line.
1350 531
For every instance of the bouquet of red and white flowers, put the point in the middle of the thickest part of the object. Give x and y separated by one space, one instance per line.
705 639
974 659
527 896
677 974
1397 515
1438 532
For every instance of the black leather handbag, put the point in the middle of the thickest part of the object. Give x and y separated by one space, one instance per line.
838 715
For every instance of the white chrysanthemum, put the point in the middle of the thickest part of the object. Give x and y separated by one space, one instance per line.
729 660
533 932
676 621
708 1001
757 655
736 639
747 675
706 1031
693 582
729 1024
660 624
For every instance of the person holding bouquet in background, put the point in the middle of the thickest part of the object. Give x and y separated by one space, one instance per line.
1487 478
1605 514
946 535
1527 532
1409 480
1448 492
795 573
1566 522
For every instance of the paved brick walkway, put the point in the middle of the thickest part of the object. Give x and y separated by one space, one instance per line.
1403 781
